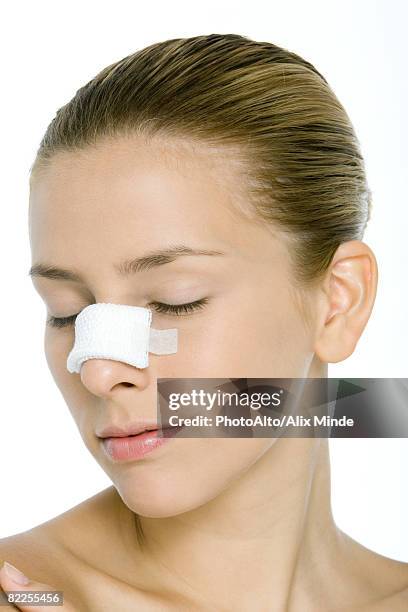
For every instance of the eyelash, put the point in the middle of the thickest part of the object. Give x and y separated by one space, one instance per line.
178 310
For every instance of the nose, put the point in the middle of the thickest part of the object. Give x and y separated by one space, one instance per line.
106 377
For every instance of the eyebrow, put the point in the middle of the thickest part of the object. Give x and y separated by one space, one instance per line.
127 267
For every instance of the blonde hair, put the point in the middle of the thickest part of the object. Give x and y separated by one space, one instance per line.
273 109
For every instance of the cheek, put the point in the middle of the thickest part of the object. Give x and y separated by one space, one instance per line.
57 345
264 339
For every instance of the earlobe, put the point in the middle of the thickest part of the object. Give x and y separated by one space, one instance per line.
347 299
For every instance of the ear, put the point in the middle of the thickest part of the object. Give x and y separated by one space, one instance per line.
347 299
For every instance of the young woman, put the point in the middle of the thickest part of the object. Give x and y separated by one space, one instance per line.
217 181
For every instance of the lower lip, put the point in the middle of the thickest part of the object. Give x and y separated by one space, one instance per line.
136 447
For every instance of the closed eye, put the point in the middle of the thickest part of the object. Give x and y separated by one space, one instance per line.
61 321
160 307
179 309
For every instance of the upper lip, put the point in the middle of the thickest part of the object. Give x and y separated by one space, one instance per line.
131 429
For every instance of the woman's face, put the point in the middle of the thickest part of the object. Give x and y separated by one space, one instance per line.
121 200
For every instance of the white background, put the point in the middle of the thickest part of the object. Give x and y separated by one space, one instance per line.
48 51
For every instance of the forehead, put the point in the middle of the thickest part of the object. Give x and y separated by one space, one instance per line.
152 191
125 197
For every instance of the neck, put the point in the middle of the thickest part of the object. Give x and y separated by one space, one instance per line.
270 533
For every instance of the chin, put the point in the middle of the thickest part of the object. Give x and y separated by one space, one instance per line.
161 497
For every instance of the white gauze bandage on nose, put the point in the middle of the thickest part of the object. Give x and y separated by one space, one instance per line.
119 332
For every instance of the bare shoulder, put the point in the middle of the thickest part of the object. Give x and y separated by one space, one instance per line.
81 552
383 580
59 552
397 597
32 551
397 602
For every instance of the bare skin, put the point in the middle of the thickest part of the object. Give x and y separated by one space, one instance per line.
230 524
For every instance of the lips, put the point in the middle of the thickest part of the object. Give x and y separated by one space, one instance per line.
127 447
133 429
